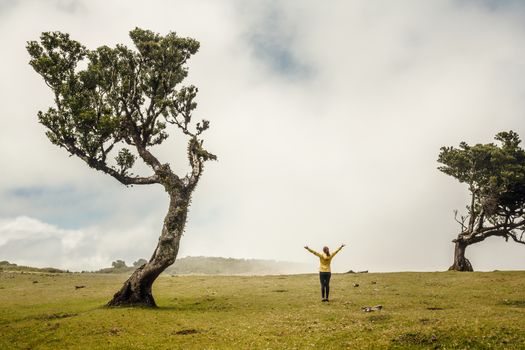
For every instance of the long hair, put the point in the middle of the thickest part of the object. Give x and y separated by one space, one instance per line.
326 251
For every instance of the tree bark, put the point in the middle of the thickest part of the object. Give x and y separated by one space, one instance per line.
460 262
136 291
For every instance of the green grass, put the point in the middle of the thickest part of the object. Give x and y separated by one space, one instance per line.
420 310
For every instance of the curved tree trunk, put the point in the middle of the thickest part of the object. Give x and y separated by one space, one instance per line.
136 291
460 262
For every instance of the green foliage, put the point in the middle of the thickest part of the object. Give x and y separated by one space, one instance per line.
108 96
125 160
195 149
119 264
494 173
139 262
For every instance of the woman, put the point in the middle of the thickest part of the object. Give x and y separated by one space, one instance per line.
324 270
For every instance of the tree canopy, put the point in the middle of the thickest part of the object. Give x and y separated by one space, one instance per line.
495 176
119 264
121 98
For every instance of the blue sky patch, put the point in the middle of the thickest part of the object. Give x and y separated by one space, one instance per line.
272 40
63 206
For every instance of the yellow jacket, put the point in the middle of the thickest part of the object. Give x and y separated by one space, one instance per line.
324 259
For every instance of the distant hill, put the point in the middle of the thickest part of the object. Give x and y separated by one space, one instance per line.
201 265
7 266
224 266
230 266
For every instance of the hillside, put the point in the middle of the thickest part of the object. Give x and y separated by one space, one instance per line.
230 266
7 266
224 266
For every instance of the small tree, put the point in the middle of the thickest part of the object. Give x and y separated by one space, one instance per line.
495 176
140 262
119 264
126 98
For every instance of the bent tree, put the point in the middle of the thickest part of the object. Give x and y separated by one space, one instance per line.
114 103
495 176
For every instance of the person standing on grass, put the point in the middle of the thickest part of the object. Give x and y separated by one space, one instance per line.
324 269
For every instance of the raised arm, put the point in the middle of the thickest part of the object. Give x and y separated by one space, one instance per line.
337 250
312 251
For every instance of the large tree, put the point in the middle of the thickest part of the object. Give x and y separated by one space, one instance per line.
114 103
495 176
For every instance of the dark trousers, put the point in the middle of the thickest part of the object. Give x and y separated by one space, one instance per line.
324 277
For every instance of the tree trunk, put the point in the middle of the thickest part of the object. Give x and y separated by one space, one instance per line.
460 262
136 291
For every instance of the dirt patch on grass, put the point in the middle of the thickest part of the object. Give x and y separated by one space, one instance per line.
513 303
187 331
53 326
114 331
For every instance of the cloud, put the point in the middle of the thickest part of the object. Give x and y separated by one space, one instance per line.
6 6
71 208
28 241
70 6
270 38
327 121
23 239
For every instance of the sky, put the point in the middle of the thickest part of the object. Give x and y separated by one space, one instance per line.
327 121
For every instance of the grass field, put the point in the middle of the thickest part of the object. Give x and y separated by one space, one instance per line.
420 310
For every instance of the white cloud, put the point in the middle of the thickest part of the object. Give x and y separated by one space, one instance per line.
342 150
32 242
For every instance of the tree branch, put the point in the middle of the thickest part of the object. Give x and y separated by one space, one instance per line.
462 222
100 165
197 155
471 209
507 225
516 239
140 144
504 230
